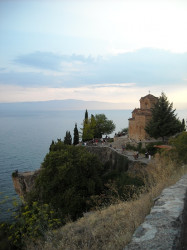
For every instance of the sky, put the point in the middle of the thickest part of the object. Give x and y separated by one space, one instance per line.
93 50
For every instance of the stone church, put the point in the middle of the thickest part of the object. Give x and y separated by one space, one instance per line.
140 117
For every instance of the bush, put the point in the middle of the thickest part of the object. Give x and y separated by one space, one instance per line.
136 148
69 176
151 147
30 224
180 146
15 173
123 186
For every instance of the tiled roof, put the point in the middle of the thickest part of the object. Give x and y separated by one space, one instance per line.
149 96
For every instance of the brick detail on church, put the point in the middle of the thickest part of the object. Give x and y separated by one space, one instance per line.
140 117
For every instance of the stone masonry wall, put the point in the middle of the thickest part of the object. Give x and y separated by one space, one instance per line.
136 127
109 156
140 118
162 228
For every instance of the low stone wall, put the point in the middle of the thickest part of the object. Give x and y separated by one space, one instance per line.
124 140
110 158
162 228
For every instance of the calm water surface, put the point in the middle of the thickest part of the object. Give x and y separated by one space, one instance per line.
25 138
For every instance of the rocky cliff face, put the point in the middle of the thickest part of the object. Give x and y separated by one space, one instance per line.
24 182
110 157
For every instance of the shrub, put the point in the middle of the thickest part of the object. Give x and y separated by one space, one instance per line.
15 173
151 147
136 148
30 223
180 146
69 176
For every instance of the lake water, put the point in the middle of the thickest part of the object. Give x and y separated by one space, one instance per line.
25 137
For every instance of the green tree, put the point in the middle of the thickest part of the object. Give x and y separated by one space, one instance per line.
93 123
86 116
96 126
164 122
55 146
51 146
88 127
180 145
88 132
76 135
183 125
103 126
68 138
68 177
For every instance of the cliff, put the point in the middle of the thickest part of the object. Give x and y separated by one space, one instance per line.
24 182
112 160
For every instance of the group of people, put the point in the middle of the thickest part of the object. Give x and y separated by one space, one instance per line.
96 141
147 155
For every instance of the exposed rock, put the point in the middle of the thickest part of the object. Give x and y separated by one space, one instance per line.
110 156
24 182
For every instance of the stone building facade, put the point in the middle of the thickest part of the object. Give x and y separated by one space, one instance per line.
140 117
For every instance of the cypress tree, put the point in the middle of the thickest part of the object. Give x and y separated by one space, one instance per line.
68 138
86 121
76 135
86 115
164 122
51 146
86 131
183 125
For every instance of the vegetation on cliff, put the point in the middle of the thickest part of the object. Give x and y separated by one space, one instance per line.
179 144
112 227
73 181
31 222
68 177
71 176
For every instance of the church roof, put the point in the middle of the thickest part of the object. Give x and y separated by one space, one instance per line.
149 96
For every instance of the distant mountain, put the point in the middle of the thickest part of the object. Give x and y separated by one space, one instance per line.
69 104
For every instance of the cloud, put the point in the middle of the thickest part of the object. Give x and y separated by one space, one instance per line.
144 67
49 60
31 79
40 60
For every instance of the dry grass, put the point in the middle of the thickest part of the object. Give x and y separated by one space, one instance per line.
112 227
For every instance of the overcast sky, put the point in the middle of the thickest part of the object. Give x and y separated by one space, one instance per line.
96 50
